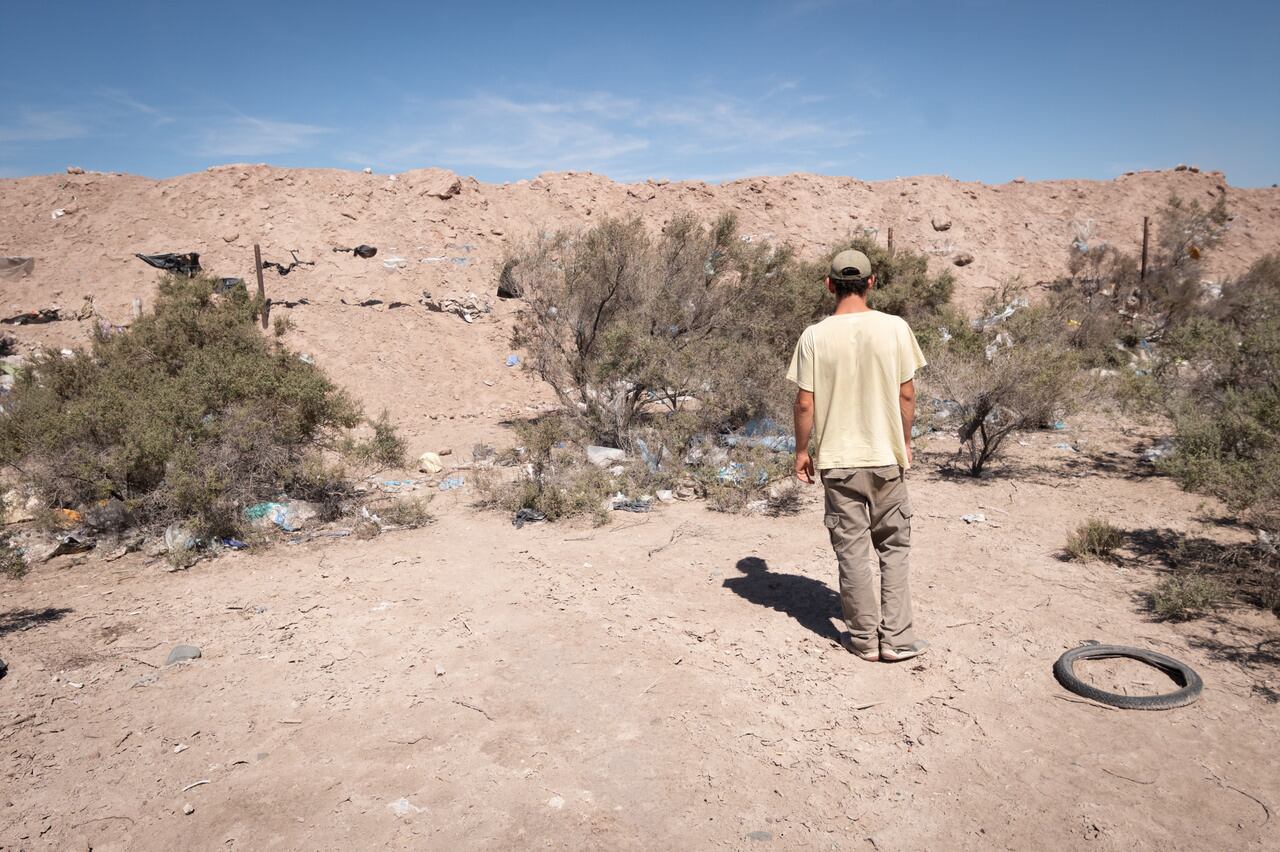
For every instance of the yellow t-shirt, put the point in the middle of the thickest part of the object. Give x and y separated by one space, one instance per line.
854 365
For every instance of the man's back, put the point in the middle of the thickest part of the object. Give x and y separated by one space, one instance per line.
854 364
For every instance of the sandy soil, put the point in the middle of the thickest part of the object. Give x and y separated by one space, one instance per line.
670 681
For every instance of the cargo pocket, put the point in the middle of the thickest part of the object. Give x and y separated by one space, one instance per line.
887 474
831 521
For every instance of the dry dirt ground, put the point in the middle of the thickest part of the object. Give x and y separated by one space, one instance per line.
669 681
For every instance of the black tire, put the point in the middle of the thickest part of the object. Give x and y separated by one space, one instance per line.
1182 674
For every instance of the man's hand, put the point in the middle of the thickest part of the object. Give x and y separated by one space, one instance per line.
909 454
804 467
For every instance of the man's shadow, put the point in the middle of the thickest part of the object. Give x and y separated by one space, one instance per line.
808 601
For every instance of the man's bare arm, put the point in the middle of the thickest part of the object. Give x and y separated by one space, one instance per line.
804 428
907 405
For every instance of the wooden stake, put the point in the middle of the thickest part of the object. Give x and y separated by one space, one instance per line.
1146 236
262 288
891 242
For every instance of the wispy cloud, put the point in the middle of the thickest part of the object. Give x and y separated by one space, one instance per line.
124 99
38 126
246 136
708 134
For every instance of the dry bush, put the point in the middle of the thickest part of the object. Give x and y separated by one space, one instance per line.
1023 378
12 564
1218 376
687 331
409 512
190 413
1186 595
1094 539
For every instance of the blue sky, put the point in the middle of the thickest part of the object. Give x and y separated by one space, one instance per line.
978 89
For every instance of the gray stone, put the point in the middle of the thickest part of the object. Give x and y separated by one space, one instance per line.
759 835
183 654
962 259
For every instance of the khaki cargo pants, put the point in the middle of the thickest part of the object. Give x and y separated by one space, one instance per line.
868 515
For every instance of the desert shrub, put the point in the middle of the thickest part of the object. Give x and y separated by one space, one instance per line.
687 330
189 413
410 513
1218 376
1094 539
1021 378
12 564
1186 595
383 449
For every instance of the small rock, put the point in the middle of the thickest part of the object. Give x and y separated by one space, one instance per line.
962 259
1181 167
447 451
556 802
941 224
230 238
759 835
188 809
439 670
974 518
74 170
605 456
182 654
1019 179
367 170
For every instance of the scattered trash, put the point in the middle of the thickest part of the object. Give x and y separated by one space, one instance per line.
403 807
290 517
513 360
632 506
58 214
665 495
452 482
1058 425
39 317
527 516
67 518
226 285
232 543
974 518
17 267
605 456
1063 445
284 269
188 809
363 303
508 287
736 472
182 654
1157 451
395 263
307 359
188 264
178 538
468 308
430 463
361 250
439 670
762 432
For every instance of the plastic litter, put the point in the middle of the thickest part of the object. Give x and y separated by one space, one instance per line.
178 538
1059 425
737 472
762 432
361 250
1063 445
395 263
187 263
527 516
468 308
974 518
232 543
1157 451
632 506
226 285
39 317
430 463
513 360
452 483
284 269
289 517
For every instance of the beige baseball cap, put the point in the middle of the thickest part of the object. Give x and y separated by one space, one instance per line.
850 264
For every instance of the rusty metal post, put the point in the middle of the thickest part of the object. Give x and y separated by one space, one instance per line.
1146 237
262 288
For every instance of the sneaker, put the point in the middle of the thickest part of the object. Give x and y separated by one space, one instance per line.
871 655
897 655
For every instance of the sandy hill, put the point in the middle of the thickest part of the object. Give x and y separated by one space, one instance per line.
451 234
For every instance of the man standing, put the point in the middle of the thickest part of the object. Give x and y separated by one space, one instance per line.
856 376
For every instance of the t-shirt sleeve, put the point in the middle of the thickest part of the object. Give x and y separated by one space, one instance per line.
910 358
801 370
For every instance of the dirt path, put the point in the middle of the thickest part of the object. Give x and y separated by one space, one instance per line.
666 682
